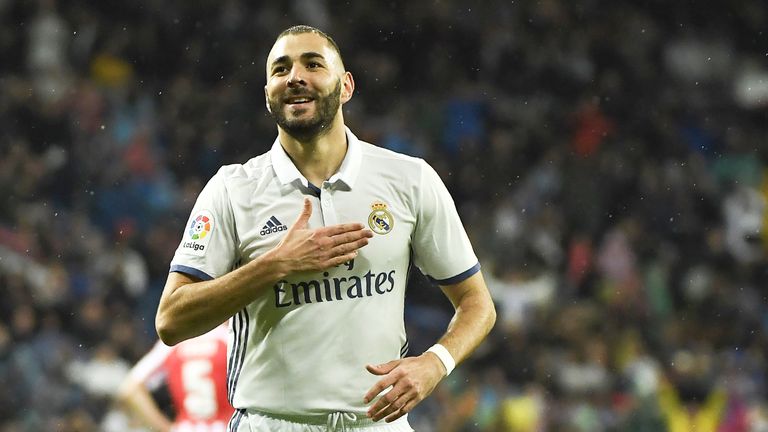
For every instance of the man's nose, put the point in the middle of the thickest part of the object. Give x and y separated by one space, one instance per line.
295 77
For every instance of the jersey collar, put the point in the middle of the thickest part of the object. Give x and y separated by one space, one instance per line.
287 172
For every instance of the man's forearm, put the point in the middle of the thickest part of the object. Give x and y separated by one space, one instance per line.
474 317
190 308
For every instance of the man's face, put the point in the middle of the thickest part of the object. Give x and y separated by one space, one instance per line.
305 82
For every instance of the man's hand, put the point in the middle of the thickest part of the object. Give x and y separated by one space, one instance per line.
304 249
412 379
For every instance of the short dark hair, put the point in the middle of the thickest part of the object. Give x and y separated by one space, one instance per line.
301 29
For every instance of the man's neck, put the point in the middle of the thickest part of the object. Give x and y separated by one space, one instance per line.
320 157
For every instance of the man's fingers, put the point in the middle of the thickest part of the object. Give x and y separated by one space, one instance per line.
375 390
339 260
346 251
346 248
382 369
384 405
403 410
390 405
325 247
335 230
351 236
304 216
379 386
411 380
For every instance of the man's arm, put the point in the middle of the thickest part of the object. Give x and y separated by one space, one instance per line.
475 316
138 401
190 307
414 378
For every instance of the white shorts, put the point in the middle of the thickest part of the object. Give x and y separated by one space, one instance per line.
338 422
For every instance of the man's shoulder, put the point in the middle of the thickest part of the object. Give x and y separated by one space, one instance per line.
253 168
385 155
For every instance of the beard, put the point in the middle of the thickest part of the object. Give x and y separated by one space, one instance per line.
326 108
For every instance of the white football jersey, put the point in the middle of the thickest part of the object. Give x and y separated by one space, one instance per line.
301 348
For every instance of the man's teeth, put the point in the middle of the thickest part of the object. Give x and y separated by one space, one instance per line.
299 100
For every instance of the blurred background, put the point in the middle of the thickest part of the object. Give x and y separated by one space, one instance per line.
608 159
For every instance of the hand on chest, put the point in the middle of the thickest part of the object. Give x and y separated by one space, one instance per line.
266 223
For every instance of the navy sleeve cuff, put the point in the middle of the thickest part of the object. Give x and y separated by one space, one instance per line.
191 271
458 278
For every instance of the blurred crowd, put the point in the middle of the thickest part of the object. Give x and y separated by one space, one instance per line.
608 159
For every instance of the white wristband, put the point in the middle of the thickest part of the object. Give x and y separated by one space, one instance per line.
445 357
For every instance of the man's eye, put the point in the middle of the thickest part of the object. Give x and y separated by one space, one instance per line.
313 65
279 70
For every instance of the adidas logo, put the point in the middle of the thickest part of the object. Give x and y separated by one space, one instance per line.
272 226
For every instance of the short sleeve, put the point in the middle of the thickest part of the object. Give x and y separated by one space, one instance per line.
441 247
208 246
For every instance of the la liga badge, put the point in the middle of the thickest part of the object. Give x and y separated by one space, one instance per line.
198 234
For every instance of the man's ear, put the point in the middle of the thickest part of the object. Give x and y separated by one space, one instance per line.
347 87
266 100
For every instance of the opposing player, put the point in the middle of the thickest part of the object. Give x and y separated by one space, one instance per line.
195 373
307 247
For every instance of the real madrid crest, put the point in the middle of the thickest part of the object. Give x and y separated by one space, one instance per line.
380 220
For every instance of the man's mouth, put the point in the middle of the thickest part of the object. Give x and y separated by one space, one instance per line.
297 100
